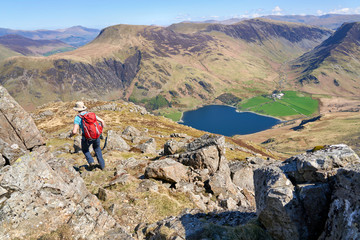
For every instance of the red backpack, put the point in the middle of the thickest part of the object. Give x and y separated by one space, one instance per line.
92 128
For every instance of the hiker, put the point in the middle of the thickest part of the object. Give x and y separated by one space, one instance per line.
88 139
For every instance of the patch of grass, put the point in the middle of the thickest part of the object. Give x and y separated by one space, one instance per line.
64 232
175 116
60 50
249 231
292 103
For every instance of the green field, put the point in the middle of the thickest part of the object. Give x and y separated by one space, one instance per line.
60 50
175 116
292 103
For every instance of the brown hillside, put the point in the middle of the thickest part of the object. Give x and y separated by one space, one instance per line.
29 47
142 62
332 67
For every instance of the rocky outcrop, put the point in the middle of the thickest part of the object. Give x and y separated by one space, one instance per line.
116 142
344 214
18 133
201 168
168 170
296 199
40 193
148 147
133 134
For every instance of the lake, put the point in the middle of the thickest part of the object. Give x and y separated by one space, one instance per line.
227 121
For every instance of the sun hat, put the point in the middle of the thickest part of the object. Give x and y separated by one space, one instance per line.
79 106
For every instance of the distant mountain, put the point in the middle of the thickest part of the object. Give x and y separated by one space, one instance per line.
333 66
331 21
6 53
29 47
188 64
76 36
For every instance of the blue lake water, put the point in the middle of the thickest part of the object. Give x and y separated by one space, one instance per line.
227 121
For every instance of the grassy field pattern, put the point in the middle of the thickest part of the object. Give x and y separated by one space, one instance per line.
292 103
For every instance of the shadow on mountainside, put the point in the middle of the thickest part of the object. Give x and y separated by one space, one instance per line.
193 225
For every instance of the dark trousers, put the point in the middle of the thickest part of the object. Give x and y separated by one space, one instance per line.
85 144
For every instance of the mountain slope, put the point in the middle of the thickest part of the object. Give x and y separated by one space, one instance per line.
76 36
6 53
332 67
29 47
330 21
189 67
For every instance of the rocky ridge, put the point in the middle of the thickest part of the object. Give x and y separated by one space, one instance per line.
18 131
174 186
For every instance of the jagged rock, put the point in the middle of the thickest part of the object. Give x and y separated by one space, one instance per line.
207 140
207 157
220 183
205 152
44 193
172 147
201 174
2 161
344 214
130 132
228 203
247 199
319 165
315 198
277 208
133 165
179 135
242 175
149 146
116 142
168 170
293 197
18 132
198 201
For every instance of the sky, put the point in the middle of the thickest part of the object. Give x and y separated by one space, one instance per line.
51 14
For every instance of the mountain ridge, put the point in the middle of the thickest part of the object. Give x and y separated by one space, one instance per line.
333 62
76 36
29 47
188 69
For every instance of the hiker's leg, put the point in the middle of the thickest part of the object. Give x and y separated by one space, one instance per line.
97 149
85 149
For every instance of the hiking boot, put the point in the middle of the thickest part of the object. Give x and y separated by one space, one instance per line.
92 166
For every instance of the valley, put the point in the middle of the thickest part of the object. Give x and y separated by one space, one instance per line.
173 69
166 180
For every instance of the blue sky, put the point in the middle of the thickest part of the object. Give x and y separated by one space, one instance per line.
50 14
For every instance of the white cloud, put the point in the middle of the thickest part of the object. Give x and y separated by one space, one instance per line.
277 11
183 17
320 12
341 11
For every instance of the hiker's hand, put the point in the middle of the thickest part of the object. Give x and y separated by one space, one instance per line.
71 134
